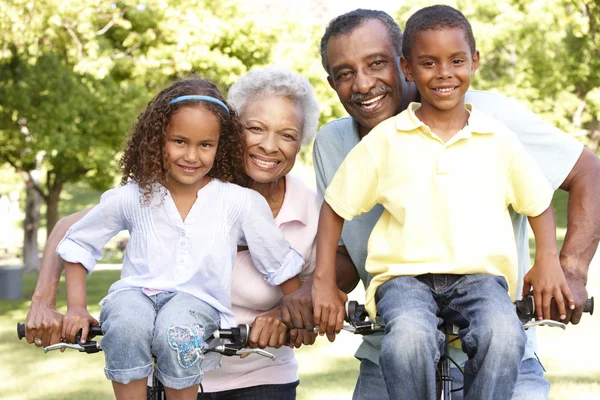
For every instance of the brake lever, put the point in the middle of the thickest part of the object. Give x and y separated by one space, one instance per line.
228 351
59 346
545 322
260 352
89 347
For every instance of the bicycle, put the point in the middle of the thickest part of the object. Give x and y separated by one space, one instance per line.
237 338
360 323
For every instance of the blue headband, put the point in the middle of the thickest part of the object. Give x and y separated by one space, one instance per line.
200 97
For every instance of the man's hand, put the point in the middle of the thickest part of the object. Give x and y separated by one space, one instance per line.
296 308
268 330
299 337
43 322
580 295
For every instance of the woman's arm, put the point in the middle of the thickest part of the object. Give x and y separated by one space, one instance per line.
43 320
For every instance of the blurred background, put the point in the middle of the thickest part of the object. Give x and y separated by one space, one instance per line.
74 74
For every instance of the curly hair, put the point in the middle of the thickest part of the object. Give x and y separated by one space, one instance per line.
143 158
346 23
435 18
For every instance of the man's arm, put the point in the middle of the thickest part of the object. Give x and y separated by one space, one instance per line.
583 227
43 320
346 273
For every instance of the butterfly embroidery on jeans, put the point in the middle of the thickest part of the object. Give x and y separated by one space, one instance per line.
190 345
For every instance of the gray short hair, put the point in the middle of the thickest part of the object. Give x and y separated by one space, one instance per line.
276 81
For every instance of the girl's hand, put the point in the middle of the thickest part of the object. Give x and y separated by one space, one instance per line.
548 281
299 337
268 330
329 310
75 319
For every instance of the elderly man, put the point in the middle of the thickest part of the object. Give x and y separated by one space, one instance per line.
360 52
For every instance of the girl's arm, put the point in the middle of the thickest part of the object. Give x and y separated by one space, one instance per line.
291 285
77 316
546 275
328 300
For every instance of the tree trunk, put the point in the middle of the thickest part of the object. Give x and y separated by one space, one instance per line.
33 202
594 136
52 200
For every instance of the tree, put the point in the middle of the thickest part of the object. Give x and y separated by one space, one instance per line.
74 73
543 52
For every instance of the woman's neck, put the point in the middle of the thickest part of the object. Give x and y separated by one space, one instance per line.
273 192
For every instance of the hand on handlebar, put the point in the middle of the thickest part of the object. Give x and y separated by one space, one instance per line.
299 337
297 307
329 309
267 330
548 281
77 318
43 322
580 295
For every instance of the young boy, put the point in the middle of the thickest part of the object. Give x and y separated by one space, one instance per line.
443 248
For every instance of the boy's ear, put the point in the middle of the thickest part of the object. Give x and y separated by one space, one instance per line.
406 69
475 62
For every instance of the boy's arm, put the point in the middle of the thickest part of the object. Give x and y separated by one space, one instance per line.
77 316
328 300
546 275
43 320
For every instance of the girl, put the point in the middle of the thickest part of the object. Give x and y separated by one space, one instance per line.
185 218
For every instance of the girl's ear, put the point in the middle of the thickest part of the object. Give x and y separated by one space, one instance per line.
406 69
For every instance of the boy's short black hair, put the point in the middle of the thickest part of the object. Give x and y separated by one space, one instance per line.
433 18
346 23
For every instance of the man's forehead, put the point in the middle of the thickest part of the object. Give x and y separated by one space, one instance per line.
371 38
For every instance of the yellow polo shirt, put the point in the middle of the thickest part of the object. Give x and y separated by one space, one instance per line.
445 204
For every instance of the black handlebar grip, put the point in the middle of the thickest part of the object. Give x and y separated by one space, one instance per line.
589 306
20 330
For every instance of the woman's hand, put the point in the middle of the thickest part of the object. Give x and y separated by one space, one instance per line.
77 318
268 331
328 306
299 337
43 322
548 281
296 308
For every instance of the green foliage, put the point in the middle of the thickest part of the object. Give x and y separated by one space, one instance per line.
543 52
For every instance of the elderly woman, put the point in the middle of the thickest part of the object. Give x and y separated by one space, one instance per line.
280 113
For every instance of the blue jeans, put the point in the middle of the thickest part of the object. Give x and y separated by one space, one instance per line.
531 384
137 326
492 336
286 391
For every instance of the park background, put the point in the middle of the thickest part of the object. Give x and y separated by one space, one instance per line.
74 74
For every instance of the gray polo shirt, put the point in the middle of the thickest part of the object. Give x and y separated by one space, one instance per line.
554 151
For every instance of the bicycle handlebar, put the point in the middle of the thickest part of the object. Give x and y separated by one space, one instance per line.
238 336
360 322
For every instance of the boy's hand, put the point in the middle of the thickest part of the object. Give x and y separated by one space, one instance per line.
75 319
328 305
548 281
